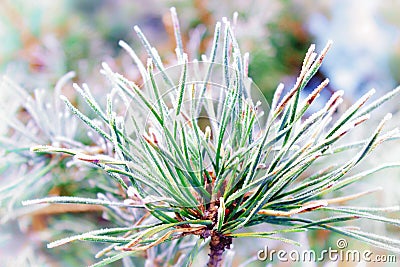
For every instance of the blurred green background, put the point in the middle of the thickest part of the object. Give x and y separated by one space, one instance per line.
48 38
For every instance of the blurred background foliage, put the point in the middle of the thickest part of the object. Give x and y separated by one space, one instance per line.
49 38
43 40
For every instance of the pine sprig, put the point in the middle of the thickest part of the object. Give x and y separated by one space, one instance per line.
250 167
